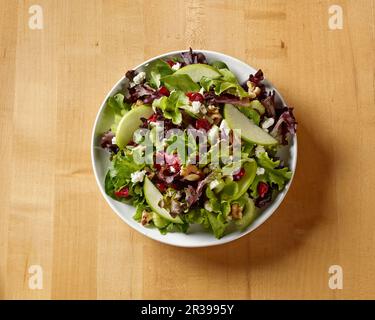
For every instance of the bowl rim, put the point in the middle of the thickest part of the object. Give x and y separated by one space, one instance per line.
251 228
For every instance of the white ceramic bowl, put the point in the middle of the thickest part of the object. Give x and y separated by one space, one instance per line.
196 237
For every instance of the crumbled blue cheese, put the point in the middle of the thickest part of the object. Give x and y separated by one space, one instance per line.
268 122
139 78
214 184
138 176
207 206
259 150
176 66
195 106
260 171
114 140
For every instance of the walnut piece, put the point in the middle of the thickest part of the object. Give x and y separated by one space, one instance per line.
236 211
146 217
253 90
190 168
214 113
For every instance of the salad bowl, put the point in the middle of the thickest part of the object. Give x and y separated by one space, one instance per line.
196 236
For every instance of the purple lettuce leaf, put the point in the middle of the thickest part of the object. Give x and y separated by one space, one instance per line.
261 202
106 142
143 92
269 104
191 57
212 98
130 74
257 78
286 125
193 195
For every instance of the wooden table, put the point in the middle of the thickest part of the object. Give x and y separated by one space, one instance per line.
52 214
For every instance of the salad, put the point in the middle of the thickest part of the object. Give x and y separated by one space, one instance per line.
190 144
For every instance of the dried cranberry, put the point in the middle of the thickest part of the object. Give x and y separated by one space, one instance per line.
131 143
237 176
195 96
153 118
123 193
170 62
202 124
176 167
164 91
161 186
262 189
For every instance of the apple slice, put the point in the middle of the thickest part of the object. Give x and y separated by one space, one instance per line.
129 123
248 215
233 190
249 130
199 70
245 182
153 197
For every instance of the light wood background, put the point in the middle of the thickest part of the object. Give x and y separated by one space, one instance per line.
52 82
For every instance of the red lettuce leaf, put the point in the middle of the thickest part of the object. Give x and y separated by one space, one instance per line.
286 125
257 78
106 142
212 98
143 92
191 57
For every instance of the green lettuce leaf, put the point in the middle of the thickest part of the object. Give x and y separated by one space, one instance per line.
109 185
138 212
181 82
198 216
117 105
170 105
172 227
272 174
219 64
209 220
216 223
156 70
121 168
250 113
227 83
228 75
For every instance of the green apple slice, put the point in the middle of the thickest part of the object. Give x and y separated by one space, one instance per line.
249 130
153 197
159 221
233 190
199 70
245 182
248 215
129 123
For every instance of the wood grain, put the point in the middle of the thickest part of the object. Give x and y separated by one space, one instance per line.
52 214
